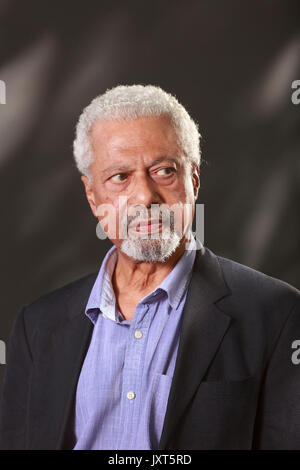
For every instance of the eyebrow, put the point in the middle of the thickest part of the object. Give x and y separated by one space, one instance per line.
126 167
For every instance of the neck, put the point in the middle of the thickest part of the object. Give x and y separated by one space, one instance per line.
137 278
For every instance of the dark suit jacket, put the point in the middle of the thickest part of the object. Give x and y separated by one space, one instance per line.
235 385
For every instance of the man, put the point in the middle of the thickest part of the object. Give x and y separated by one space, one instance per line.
169 346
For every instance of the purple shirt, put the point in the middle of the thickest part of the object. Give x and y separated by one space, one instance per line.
126 376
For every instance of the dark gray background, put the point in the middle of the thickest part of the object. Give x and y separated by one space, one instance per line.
230 63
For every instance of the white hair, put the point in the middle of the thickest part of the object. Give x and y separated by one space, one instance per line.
132 102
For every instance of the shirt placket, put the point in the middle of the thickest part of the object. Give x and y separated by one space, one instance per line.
132 376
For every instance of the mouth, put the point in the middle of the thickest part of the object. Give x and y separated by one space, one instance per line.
147 226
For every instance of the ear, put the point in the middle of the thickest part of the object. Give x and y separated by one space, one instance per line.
89 194
196 179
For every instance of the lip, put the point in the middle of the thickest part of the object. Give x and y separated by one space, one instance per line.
145 223
146 226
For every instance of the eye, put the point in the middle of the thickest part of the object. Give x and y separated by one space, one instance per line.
119 177
165 171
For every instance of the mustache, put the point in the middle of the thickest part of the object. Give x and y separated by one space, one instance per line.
164 217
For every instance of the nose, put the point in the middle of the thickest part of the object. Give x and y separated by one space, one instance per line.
145 191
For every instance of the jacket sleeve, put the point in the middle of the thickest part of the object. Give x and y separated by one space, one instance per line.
15 390
278 417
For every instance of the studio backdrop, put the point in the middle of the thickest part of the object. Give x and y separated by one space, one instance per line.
234 65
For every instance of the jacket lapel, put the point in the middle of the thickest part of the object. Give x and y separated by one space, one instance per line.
73 344
203 328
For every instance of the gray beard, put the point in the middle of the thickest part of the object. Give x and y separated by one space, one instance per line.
151 250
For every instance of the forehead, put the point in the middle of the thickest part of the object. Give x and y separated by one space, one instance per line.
153 134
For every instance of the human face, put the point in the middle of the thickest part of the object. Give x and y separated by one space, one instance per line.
139 159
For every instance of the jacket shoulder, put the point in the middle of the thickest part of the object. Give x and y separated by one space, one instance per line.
64 292
53 306
256 286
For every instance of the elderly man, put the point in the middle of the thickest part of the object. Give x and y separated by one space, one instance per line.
168 346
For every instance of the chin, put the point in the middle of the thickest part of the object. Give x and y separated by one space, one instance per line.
151 250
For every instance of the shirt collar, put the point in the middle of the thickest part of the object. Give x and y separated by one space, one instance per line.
102 296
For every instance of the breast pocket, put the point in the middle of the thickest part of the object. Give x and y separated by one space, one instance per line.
222 414
213 389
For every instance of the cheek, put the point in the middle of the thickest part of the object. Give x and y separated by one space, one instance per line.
189 189
184 191
106 212
111 223
101 196
185 200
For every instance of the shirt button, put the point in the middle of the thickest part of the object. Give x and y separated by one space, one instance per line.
130 395
138 334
